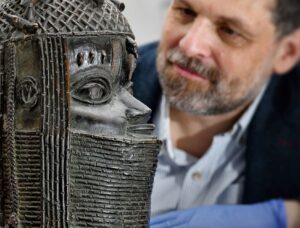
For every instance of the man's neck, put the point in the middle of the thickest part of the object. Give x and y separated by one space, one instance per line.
194 134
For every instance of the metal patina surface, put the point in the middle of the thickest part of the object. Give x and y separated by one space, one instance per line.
75 147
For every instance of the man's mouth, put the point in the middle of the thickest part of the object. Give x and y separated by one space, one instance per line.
188 73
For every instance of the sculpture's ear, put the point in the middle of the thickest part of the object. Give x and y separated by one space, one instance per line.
288 53
131 48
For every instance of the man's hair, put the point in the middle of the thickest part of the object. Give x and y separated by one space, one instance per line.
287 16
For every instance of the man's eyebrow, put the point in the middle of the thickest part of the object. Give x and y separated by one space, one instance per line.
182 1
179 0
237 22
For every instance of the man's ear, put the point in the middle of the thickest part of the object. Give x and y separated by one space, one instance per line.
288 53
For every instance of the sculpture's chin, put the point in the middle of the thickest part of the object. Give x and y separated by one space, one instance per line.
112 178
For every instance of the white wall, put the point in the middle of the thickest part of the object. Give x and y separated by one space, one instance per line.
146 18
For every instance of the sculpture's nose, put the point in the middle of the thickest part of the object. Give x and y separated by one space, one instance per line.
136 111
138 116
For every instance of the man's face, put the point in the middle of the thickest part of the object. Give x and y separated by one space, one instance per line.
216 55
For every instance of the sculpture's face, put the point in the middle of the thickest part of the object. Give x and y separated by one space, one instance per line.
101 102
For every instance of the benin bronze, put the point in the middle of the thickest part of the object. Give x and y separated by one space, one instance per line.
76 149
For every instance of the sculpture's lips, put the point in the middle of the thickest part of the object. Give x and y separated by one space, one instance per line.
141 129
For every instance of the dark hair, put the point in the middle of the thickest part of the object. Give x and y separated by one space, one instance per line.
287 16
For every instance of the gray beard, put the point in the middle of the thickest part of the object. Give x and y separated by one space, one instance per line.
196 103
186 97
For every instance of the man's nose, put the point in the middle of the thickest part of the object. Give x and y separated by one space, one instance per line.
198 40
136 111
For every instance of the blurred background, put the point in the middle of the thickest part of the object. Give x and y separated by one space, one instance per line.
146 18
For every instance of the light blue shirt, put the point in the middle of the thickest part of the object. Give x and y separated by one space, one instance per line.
183 181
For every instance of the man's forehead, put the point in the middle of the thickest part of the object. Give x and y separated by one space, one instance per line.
247 13
266 3
230 5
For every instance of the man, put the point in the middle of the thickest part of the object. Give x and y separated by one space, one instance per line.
230 128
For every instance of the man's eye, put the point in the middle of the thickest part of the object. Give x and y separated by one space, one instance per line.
231 36
184 14
187 12
229 31
97 91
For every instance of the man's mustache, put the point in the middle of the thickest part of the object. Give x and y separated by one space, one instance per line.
194 65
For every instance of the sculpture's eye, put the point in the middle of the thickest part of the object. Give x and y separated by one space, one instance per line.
94 91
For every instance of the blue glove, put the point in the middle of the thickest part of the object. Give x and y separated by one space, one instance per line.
270 214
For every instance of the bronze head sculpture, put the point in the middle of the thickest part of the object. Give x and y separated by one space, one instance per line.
75 147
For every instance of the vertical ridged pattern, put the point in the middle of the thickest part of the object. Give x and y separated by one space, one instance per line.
1 90
43 126
1 131
29 177
54 128
9 157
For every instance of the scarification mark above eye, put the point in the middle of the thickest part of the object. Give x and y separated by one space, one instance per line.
103 56
80 58
91 57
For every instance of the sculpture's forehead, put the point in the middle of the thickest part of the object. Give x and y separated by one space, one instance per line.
106 52
95 50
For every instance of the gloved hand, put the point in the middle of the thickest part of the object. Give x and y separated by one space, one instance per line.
270 214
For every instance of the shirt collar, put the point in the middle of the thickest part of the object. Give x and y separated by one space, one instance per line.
162 120
244 121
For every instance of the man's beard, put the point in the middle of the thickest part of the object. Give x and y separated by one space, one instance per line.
194 96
